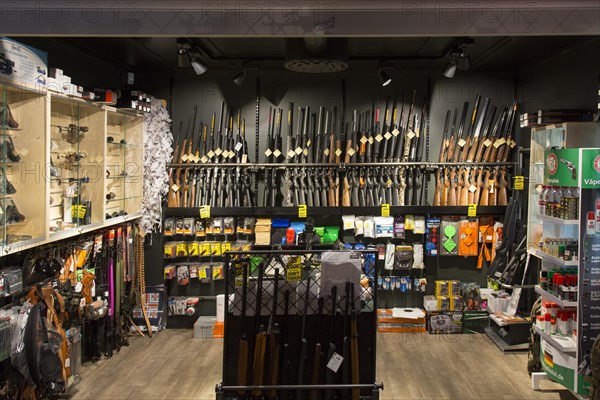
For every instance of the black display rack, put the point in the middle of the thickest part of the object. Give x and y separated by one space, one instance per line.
307 314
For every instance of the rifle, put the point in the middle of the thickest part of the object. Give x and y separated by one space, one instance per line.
417 176
453 192
468 189
314 380
346 344
303 343
181 159
406 141
503 182
260 340
437 196
490 152
478 171
276 196
497 154
288 200
275 338
329 377
242 372
172 196
268 152
286 364
189 157
354 347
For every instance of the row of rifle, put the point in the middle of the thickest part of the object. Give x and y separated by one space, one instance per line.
323 165
280 357
486 137
214 186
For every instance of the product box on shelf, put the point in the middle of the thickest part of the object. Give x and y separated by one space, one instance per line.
445 322
498 302
430 302
387 322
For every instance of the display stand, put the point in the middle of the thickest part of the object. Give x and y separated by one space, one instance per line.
300 329
566 360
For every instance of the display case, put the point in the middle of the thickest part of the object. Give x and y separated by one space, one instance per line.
57 167
124 164
77 132
22 161
559 136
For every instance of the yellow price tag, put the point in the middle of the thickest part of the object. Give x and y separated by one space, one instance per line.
472 211
385 210
78 211
519 182
202 273
302 211
204 212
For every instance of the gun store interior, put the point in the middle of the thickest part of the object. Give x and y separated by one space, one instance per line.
299 201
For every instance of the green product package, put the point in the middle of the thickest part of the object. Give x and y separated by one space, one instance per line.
331 234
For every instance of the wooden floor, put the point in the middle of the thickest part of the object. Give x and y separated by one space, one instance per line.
173 365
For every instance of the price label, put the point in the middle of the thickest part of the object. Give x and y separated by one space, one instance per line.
202 273
395 132
211 154
291 153
302 211
411 134
512 143
472 188
244 158
371 140
268 152
308 142
305 152
487 143
385 210
231 155
364 140
298 150
351 152
519 182
175 188
499 142
472 210
462 142
204 212
184 157
277 153
335 362
338 152
78 211
326 152
238 146
387 136
218 152
379 138
491 183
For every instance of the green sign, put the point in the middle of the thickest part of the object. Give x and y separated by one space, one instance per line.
558 366
561 167
590 168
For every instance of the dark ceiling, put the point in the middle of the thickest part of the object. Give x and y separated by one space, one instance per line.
488 54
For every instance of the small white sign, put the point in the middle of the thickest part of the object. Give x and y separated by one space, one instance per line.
335 362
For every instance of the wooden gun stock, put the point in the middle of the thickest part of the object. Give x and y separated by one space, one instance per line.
452 191
437 195
502 199
445 189
485 189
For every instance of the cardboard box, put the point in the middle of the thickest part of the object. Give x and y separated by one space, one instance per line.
430 303
443 303
445 322
387 323
441 288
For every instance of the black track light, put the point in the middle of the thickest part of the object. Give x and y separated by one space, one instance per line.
464 61
183 57
384 78
239 78
450 69
199 66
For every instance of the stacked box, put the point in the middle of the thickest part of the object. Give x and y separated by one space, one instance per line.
445 322
387 323
448 296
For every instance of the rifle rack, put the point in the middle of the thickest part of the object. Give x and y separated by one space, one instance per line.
303 315
334 211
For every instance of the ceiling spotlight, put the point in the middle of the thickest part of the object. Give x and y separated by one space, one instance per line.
384 78
450 69
239 78
463 60
199 66
183 57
